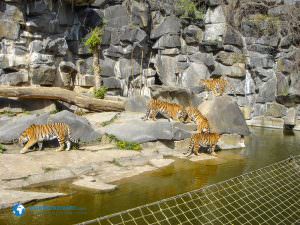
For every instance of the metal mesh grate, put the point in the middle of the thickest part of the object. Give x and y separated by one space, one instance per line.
270 195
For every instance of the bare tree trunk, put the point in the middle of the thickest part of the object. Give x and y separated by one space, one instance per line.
97 70
64 95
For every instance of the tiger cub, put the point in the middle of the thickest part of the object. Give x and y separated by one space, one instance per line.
196 116
39 133
216 85
172 111
203 139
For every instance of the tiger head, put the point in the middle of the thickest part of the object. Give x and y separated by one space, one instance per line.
182 114
25 136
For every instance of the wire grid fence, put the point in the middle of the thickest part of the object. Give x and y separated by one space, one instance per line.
270 195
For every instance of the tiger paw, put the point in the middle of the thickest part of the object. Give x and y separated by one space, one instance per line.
23 151
213 154
59 149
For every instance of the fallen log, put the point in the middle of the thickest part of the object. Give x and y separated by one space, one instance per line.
56 93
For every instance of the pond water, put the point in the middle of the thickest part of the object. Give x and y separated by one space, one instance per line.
264 147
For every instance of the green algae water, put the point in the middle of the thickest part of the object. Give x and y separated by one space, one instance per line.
264 147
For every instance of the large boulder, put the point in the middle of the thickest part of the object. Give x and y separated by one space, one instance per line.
67 72
11 130
42 74
193 34
32 106
214 32
125 68
57 46
224 116
116 16
167 41
166 69
136 104
171 25
9 29
177 95
139 131
215 15
193 74
80 127
237 70
140 13
267 91
15 78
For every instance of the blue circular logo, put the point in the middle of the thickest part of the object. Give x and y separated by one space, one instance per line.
18 209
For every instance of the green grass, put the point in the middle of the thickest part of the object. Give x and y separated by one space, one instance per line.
8 113
101 92
2 149
190 9
272 22
54 111
125 145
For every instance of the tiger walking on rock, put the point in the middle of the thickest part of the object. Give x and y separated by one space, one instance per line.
197 117
39 133
172 111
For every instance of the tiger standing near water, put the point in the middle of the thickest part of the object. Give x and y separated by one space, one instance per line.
196 116
39 133
172 111
203 139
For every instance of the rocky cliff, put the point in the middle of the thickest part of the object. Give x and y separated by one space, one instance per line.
149 42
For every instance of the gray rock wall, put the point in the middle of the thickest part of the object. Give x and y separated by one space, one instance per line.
145 43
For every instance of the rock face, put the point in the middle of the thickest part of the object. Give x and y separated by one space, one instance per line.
42 43
224 116
80 127
139 131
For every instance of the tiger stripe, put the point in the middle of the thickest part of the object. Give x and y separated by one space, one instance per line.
39 133
172 111
203 139
197 117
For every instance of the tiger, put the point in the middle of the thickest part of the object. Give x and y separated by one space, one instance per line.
203 139
172 111
39 133
196 116
216 85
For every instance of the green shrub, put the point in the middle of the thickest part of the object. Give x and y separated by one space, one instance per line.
190 9
128 145
125 145
101 92
2 149
8 113
95 39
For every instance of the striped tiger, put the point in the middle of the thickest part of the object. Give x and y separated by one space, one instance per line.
39 133
203 139
196 116
217 85
172 111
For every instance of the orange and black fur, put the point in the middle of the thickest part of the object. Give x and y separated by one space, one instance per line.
203 139
196 116
39 133
172 111
216 85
